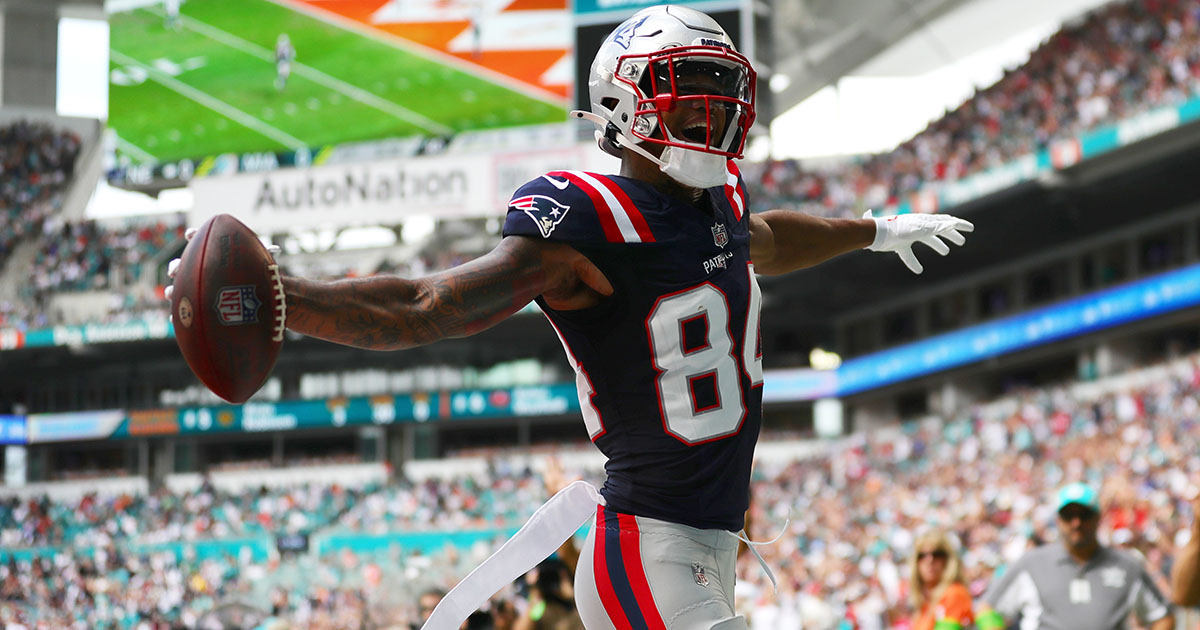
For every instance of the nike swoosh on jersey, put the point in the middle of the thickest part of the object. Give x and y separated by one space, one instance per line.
560 184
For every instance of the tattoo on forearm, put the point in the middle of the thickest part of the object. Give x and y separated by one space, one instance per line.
388 313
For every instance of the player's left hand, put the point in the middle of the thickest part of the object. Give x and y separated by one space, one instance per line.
899 232
173 266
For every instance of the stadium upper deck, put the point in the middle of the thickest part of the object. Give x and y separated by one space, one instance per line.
1126 59
1088 239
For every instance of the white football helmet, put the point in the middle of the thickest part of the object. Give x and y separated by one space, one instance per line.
662 58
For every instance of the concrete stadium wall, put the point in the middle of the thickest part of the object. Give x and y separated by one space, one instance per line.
74 490
349 475
29 66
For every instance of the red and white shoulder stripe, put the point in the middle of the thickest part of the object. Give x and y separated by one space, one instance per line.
620 218
734 191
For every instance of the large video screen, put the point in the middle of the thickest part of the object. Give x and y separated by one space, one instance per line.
207 77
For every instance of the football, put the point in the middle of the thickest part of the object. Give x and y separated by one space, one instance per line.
228 308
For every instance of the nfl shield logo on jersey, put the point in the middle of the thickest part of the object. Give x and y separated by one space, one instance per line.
547 213
720 236
238 305
698 573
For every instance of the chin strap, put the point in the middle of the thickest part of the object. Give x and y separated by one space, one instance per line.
600 122
744 537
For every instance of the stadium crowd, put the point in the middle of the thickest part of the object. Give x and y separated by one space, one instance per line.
1120 60
208 513
115 589
986 475
36 163
111 257
852 514
87 255
83 255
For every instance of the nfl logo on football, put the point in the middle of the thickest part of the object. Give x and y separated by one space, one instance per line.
238 305
720 236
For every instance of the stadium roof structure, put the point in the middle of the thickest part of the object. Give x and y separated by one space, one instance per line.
819 41
66 8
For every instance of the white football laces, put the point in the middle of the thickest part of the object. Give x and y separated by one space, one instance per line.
280 301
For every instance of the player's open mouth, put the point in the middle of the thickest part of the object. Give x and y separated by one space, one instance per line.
696 132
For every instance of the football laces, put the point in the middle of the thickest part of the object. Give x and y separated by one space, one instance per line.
280 303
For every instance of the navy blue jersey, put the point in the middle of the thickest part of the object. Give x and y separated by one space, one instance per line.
669 368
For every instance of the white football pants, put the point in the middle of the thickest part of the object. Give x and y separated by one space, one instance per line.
638 573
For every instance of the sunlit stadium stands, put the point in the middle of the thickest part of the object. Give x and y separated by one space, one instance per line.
853 506
1120 60
36 161
355 481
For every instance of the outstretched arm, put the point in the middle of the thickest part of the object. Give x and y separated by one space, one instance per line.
390 313
785 240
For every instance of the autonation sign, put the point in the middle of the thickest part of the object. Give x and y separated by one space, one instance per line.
374 193
359 186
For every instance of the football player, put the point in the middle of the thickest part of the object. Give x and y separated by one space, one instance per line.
649 279
284 54
171 10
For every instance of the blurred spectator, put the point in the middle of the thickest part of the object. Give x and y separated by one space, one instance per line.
83 255
425 605
551 599
89 255
1185 577
982 475
504 614
1078 584
36 163
939 597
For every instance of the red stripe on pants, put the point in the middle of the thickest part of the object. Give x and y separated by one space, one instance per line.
631 553
603 582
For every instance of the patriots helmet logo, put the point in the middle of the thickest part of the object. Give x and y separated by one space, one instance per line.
545 211
624 35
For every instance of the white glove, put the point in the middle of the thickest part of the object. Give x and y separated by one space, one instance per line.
173 266
897 233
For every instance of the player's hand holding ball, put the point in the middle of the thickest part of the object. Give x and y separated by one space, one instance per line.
228 307
899 232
